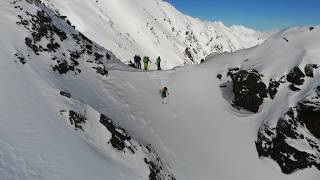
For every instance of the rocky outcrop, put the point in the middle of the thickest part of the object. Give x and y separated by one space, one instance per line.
121 141
248 88
296 78
77 119
308 69
49 32
120 138
273 87
295 141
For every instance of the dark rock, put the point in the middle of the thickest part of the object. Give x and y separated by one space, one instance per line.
309 114
63 17
22 21
75 55
20 58
62 67
119 135
218 47
29 43
53 46
311 28
219 76
288 158
65 94
153 169
85 38
41 27
273 88
89 49
275 143
248 89
98 56
103 71
296 76
108 56
294 88
77 120
188 54
308 69
157 169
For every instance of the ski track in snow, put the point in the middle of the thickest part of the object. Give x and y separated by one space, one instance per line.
13 166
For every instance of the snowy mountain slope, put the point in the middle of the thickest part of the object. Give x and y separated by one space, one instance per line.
46 132
71 110
205 136
153 28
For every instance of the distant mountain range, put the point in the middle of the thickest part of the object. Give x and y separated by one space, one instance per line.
153 28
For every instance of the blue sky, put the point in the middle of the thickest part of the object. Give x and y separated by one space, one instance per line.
257 14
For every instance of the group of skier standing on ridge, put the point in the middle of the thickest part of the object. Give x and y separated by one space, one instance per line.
137 62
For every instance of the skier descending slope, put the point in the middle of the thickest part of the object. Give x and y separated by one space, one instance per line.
164 94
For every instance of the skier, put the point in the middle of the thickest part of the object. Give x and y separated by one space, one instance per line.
164 93
137 61
159 63
146 62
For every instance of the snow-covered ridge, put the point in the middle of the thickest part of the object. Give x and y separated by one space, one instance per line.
153 28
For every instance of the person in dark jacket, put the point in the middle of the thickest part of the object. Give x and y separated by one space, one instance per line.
137 61
164 94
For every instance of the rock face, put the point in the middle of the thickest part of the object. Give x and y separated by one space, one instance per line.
248 89
122 142
50 38
76 119
273 88
295 141
120 137
65 94
308 69
296 78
